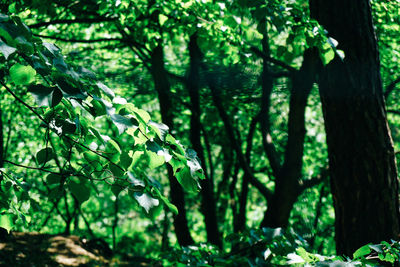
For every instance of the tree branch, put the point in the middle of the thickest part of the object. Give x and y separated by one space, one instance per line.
391 87
282 64
73 40
230 132
33 168
397 112
304 184
71 21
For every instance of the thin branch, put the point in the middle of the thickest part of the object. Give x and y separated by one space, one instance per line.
391 87
22 102
277 62
33 168
250 135
304 184
84 41
70 21
397 112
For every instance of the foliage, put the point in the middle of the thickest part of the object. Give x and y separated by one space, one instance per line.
69 103
81 158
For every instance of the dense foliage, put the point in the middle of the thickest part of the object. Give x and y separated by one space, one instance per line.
187 131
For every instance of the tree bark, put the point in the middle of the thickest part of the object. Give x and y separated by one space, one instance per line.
361 155
162 87
1 143
208 205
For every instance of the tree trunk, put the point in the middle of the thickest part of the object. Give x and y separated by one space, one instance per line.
162 87
361 155
208 205
287 188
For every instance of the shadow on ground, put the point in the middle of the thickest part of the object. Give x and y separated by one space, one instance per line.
35 249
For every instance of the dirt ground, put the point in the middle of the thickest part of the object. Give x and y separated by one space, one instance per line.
35 249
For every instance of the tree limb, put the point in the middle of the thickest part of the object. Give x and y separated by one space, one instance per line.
84 41
277 62
304 184
397 112
71 21
391 87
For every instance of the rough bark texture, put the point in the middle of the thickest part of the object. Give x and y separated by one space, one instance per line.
162 87
361 156
287 188
208 204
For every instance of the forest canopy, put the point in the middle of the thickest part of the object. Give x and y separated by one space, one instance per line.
202 133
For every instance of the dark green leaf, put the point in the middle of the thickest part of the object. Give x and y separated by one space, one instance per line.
45 96
44 155
79 190
53 179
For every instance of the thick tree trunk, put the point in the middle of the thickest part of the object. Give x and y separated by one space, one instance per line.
361 156
287 188
162 87
208 205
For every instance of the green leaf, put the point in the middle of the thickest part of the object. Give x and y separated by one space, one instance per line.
6 221
162 18
125 160
116 170
67 126
91 156
53 179
160 129
116 189
122 122
45 96
44 155
106 90
327 56
9 31
99 108
186 180
154 159
113 150
22 75
70 90
79 190
165 200
6 50
376 248
364 250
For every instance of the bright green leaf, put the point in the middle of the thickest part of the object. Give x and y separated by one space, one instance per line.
6 221
364 250
22 75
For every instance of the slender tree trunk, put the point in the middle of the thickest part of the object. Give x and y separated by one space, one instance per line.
1 143
287 188
361 155
3 232
162 87
208 203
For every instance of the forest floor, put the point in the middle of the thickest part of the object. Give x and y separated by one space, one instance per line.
36 249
